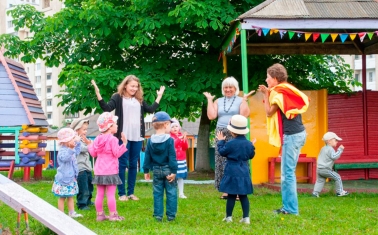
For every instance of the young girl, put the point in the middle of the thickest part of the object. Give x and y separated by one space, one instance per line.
65 184
105 147
236 179
181 145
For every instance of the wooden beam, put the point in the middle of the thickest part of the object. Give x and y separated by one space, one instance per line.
372 49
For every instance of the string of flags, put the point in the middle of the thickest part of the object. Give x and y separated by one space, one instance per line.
315 35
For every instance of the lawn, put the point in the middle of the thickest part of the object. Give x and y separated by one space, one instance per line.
203 211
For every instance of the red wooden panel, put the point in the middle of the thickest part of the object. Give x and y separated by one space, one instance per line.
346 120
373 173
372 116
352 174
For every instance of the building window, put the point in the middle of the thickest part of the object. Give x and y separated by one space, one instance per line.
38 91
371 77
48 76
357 77
49 102
37 79
49 115
38 66
46 3
10 24
48 89
357 57
75 115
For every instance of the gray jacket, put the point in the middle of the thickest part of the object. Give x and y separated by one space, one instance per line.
83 159
328 156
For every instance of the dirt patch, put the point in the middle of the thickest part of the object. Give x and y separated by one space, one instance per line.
201 175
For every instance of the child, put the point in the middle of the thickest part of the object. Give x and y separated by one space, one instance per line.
237 178
160 156
326 159
65 184
105 147
181 145
84 180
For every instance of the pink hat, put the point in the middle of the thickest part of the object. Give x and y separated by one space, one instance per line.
65 135
175 122
105 121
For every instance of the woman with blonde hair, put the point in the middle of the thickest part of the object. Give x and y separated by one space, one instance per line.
130 107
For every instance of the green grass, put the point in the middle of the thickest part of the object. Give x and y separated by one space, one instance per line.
203 211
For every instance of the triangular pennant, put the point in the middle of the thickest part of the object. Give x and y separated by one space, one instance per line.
376 33
282 33
324 36
333 36
272 31
307 36
343 37
352 36
259 32
362 36
265 31
299 35
370 35
291 34
315 36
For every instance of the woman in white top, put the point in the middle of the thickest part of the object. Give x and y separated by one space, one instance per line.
130 107
223 109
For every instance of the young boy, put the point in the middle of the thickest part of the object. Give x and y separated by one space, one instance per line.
84 178
326 159
160 157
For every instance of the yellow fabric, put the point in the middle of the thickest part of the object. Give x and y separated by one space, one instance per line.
273 123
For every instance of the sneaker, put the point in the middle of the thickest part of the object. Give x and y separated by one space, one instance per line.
170 219
281 211
84 208
133 197
228 219
342 194
75 215
315 194
245 220
123 198
182 196
158 218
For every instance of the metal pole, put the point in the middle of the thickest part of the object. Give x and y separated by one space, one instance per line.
243 40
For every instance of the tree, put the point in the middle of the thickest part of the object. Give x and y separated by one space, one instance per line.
172 43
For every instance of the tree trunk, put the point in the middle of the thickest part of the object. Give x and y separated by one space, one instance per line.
202 156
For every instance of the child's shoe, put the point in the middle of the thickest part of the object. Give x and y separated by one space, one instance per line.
170 219
315 195
102 216
245 220
342 194
116 217
158 218
182 196
75 215
228 219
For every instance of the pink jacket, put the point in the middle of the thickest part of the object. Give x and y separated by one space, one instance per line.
107 150
180 146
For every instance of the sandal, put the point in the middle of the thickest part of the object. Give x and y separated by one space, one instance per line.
133 197
101 216
123 198
116 217
223 197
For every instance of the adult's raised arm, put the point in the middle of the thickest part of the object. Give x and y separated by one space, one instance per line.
107 107
97 91
160 94
212 107
269 109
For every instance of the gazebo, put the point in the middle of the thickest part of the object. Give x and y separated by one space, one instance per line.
311 27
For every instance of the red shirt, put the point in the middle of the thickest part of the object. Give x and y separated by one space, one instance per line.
181 146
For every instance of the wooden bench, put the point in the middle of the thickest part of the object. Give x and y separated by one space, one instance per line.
311 169
23 201
358 163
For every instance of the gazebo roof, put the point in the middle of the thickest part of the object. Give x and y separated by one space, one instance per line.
307 27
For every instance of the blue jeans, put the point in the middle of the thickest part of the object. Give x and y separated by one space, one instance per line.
291 148
84 181
129 160
160 183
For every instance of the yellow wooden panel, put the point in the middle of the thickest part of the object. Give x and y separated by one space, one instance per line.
315 121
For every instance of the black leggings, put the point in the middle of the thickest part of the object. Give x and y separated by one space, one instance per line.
231 198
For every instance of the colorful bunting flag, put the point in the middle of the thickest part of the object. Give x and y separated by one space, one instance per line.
324 36
370 35
265 31
352 36
362 36
259 32
299 35
333 36
315 36
283 32
291 34
343 37
307 36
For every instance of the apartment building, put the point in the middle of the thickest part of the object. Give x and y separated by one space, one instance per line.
355 62
43 78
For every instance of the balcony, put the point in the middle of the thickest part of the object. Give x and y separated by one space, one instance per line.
48 69
37 85
49 109
49 96
49 82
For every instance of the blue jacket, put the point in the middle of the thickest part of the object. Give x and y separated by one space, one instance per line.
67 171
160 151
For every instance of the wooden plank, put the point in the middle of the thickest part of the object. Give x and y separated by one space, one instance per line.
356 165
20 199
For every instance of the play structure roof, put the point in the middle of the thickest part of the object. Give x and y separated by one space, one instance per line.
19 103
307 27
